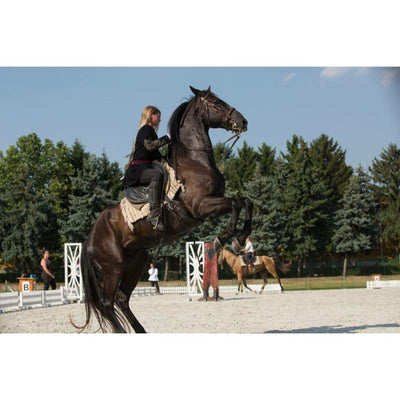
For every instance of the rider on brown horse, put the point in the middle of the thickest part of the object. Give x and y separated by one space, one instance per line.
248 257
141 171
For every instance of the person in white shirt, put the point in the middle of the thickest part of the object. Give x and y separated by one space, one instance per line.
249 252
153 277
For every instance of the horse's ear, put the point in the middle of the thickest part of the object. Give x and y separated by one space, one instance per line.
196 92
209 88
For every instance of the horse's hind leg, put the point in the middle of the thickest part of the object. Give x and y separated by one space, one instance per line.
265 279
133 269
110 286
275 275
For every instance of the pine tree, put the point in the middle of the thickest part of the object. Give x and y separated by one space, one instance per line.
329 158
386 176
241 169
266 159
354 221
329 166
305 200
90 196
269 222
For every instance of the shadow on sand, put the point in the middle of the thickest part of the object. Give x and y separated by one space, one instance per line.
336 329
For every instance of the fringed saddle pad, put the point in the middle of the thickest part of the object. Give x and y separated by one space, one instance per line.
134 212
243 264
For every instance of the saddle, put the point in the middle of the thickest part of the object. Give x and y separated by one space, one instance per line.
135 205
254 259
140 194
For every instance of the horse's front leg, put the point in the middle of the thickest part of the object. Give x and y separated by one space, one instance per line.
245 285
214 206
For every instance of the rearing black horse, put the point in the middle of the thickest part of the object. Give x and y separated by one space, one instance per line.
114 257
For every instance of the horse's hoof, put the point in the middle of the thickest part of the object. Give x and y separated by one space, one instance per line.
236 246
217 245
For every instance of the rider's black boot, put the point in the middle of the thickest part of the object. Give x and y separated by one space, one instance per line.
155 216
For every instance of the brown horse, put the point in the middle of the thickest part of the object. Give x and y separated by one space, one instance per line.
114 257
266 264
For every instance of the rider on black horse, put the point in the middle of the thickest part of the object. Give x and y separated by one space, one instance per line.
141 171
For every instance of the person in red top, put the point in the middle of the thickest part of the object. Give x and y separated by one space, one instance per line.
140 171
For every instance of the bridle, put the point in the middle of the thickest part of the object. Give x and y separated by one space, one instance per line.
227 118
208 104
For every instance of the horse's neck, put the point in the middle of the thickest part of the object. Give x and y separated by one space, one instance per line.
197 143
194 132
230 258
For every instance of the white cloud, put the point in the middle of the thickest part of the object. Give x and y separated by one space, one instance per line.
338 72
334 72
389 75
288 78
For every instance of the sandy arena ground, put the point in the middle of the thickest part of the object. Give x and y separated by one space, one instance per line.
313 311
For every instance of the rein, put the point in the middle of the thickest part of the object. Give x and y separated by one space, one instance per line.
237 137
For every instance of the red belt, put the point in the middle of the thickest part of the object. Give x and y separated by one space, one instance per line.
134 163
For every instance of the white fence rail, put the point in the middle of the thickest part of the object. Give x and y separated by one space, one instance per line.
382 284
9 301
25 300
144 291
222 289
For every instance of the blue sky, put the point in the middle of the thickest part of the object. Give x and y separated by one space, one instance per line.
101 107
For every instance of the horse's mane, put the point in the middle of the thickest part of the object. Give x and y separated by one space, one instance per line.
176 147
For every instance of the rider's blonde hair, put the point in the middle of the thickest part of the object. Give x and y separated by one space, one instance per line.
146 116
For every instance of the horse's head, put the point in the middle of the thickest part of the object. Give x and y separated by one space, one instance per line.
220 114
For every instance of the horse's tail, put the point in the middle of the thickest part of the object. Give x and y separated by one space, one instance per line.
285 268
92 290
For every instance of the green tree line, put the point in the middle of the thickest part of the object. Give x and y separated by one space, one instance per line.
309 205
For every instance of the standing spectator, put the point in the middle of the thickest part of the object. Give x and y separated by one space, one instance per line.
47 271
153 277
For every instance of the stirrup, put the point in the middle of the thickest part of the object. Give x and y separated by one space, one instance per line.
156 223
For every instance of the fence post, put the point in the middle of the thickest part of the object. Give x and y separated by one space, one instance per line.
194 267
72 268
